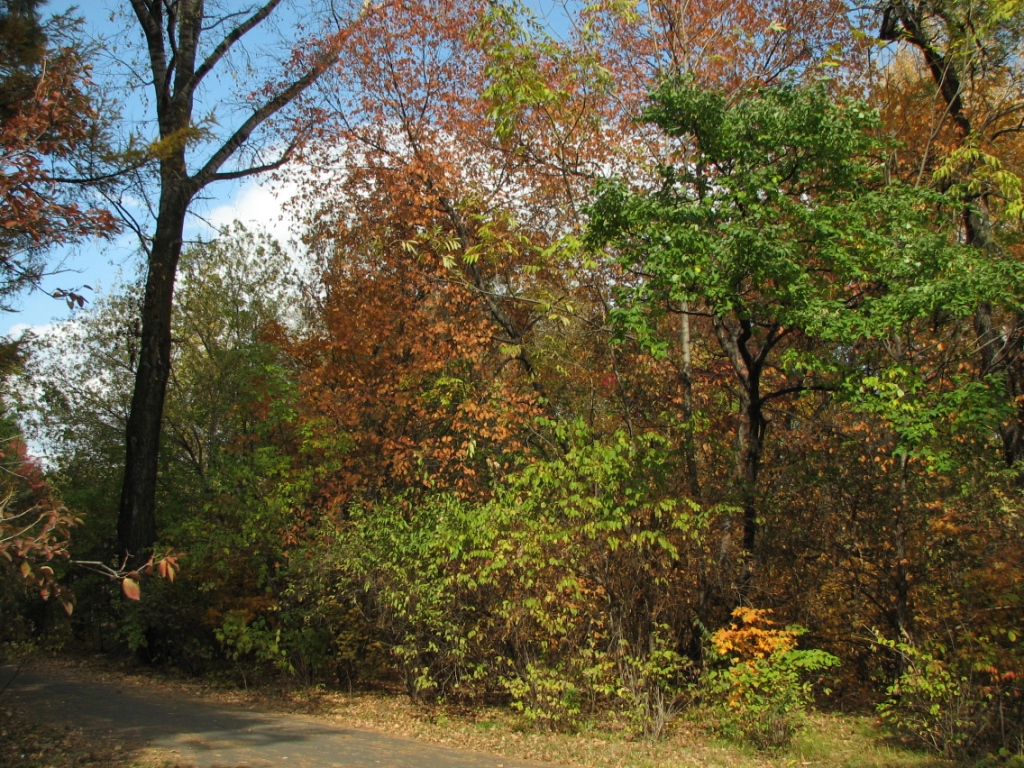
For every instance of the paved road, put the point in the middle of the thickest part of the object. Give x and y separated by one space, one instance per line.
221 736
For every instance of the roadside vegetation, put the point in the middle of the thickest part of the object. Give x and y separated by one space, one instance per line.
831 740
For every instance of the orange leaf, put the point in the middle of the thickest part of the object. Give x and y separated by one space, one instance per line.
130 587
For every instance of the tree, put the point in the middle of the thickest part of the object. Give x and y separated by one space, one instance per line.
46 121
404 384
774 224
180 62
966 138
231 400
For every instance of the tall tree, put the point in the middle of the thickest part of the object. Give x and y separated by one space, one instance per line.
181 60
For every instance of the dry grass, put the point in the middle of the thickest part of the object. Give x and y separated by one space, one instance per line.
832 741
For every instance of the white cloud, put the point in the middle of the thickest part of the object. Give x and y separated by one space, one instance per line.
261 206
18 330
53 329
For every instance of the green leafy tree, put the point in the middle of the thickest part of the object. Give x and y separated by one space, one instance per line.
187 44
777 227
231 400
965 137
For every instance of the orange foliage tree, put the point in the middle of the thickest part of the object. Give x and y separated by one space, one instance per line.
47 124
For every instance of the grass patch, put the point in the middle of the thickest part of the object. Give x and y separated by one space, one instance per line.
830 741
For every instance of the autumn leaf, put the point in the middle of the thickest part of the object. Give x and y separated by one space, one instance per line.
131 589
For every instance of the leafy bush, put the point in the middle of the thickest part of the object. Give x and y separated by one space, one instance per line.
548 698
759 689
560 591
242 636
416 583
951 707
652 684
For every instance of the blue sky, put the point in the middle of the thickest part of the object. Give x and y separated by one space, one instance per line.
102 264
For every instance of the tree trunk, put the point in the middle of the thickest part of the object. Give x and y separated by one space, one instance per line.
689 443
172 32
136 522
750 430
751 439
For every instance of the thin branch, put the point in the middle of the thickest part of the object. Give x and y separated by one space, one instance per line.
148 15
327 58
285 157
230 39
209 171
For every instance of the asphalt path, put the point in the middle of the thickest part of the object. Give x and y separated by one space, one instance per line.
207 735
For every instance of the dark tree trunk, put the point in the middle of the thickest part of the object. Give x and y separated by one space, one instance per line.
750 430
136 523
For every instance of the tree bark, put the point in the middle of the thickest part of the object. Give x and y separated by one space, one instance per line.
689 443
751 426
136 523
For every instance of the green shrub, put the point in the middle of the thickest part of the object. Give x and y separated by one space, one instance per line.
652 682
547 698
945 708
